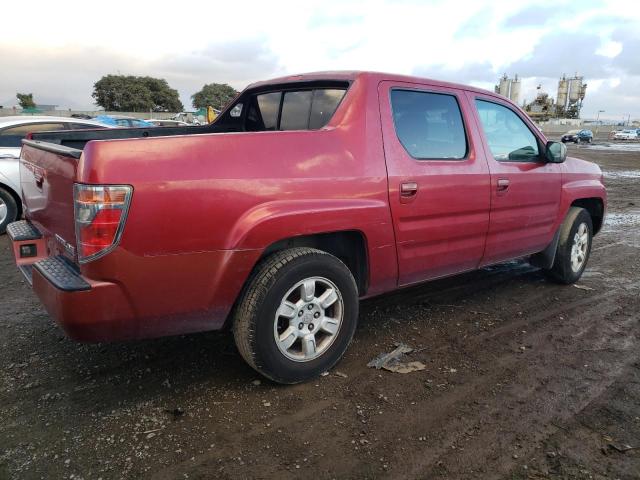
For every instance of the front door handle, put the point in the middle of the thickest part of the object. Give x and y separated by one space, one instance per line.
408 190
503 185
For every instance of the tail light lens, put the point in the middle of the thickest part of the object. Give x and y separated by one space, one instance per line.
100 214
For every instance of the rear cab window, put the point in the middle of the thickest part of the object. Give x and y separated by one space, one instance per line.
288 108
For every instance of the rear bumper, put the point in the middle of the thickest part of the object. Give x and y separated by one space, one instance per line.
154 297
86 310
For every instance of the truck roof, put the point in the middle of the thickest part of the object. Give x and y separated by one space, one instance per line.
350 75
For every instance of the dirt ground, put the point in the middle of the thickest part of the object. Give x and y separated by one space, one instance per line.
524 379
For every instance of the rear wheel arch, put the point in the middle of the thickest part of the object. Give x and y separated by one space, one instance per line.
349 246
595 207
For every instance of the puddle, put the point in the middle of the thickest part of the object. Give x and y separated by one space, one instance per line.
622 174
619 147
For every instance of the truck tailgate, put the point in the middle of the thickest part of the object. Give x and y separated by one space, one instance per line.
47 175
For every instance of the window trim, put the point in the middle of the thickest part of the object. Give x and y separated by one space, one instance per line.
541 147
455 96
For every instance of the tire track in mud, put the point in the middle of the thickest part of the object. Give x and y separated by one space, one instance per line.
538 400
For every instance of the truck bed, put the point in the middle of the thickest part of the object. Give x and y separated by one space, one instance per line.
74 141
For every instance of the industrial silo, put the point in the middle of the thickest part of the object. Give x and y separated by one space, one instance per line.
514 93
503 87
563 91
583 91
575 89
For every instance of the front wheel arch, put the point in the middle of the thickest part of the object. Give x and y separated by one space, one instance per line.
595 207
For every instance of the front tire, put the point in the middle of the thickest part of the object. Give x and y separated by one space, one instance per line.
574 247
297 315
8 210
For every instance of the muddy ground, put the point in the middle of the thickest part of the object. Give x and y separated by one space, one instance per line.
524 379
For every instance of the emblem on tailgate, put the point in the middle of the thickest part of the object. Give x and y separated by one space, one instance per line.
68 248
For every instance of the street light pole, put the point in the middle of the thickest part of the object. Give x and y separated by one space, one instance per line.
598 121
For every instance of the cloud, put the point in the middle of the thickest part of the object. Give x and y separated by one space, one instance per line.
562 52
533 15
473 72
629 58
238 63
66 76
473 43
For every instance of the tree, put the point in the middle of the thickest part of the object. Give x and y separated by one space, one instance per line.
127 93
215 94
162 94
26 100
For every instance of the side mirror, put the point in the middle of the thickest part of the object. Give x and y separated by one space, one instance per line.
556 152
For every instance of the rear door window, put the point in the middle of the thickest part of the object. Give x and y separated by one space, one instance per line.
508 137
429 125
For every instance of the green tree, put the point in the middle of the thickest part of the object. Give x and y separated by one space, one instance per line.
217 95
165 98
127 93
26 100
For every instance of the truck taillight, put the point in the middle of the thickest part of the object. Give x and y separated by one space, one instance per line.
100 214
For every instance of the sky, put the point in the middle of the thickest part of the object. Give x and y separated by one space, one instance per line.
58 50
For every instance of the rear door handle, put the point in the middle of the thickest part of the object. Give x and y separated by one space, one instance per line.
408 190
503 185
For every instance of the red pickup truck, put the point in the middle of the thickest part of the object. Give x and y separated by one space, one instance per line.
307 193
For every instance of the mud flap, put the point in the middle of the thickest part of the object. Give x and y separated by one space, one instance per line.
545 258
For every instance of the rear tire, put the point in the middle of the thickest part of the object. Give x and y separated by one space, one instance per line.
574 247
8 210
297 315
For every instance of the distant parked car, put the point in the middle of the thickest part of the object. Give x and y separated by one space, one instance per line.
167 123
123 121
577 136
626 135
12 130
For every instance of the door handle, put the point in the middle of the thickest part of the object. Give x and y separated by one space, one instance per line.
503 185
408 189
